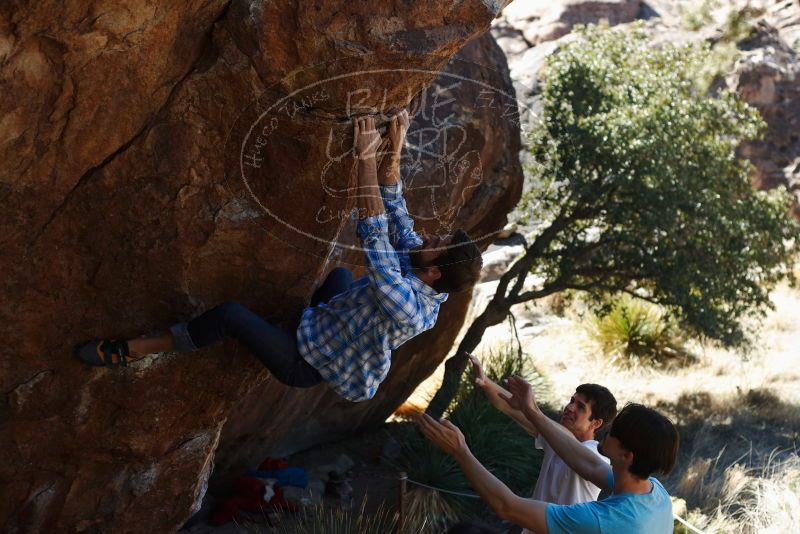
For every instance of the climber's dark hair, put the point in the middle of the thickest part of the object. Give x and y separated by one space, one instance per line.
460 264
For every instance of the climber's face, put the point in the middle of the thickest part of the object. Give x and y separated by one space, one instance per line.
433 247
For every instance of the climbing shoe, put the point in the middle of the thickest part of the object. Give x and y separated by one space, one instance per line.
105 352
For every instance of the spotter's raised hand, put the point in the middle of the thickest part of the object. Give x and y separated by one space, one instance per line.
521 397
477 371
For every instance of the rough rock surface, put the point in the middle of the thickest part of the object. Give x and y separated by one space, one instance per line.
768 78
484 173
539 21
530 31
767 75
126 130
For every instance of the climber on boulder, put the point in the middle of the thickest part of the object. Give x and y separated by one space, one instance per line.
345 337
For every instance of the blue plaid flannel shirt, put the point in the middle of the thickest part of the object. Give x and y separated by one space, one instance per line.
350 338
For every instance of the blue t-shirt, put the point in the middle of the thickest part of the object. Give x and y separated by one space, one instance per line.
620 513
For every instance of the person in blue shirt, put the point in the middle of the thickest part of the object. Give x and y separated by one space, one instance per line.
639 443
345 337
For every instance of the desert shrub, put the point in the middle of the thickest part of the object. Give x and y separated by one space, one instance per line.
695 16
740 24
634 331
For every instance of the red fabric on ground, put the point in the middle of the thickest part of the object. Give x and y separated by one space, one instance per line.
249 496
273 464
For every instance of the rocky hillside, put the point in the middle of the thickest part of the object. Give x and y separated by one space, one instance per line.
757 44
157 158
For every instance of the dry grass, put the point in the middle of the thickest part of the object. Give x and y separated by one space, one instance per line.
421 505
746 498
738 469
332 520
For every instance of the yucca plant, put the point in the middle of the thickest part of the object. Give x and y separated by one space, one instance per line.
496 440
634 331
506 360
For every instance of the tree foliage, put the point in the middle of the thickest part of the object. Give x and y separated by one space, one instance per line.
639 169
637 189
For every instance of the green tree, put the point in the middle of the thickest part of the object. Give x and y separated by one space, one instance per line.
637 189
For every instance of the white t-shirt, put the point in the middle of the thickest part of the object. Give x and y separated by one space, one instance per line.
558 483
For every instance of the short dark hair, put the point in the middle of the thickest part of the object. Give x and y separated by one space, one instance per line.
603 403
460 265
650 436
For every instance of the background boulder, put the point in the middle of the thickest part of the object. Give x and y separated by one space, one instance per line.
757 43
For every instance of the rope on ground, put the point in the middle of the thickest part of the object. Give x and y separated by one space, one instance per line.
441 490
688 525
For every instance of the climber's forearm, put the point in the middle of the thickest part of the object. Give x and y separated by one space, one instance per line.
389 172
369 196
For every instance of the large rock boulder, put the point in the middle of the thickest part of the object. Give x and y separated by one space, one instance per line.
143 182
461 159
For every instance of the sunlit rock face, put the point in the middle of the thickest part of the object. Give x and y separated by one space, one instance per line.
539 21
144 180
766 75
768 78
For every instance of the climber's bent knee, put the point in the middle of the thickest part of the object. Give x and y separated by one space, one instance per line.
181 339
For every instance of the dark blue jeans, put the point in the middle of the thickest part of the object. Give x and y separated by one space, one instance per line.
275 347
